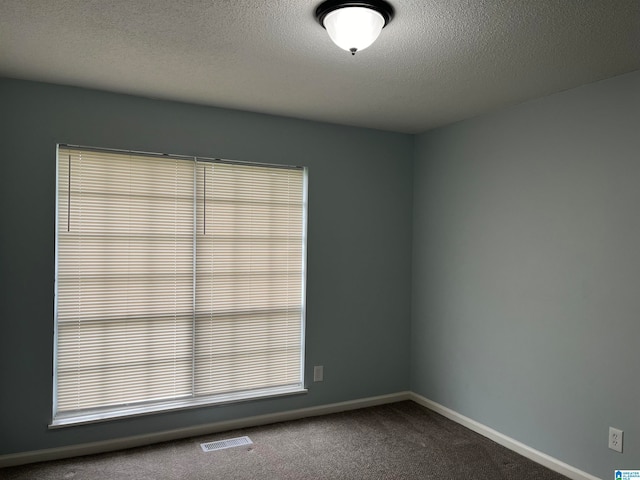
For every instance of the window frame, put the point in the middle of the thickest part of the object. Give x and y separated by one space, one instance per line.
101 414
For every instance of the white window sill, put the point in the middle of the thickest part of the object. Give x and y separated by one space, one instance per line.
125 411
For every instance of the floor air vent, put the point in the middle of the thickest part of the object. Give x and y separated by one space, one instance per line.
222 444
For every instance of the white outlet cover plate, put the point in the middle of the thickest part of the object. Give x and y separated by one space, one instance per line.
615 439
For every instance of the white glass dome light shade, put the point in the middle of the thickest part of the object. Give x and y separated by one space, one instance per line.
353 25
354 28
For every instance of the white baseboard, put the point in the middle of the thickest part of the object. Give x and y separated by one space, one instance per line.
147 439
508 442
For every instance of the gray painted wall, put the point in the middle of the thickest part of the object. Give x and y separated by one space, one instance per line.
526 266
526 272
359 245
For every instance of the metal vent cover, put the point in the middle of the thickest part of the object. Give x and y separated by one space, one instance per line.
228 443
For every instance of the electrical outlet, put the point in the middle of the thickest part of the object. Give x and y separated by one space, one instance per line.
615 439
318 373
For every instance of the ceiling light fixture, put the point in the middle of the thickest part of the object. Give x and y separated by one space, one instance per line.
353 26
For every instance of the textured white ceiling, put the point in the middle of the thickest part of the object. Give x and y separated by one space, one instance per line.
437 62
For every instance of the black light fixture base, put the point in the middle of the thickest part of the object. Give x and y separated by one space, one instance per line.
383 8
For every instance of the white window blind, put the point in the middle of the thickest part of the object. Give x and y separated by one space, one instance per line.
179 282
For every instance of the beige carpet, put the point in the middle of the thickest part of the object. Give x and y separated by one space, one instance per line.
397 441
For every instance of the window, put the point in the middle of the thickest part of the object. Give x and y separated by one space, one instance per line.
179 282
